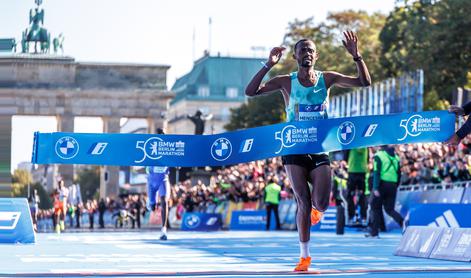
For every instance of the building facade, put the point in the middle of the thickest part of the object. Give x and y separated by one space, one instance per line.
214 86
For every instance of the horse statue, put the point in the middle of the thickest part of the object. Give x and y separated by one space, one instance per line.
36 33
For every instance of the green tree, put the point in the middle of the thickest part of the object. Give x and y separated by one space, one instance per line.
451 45
21 180
89 180
434 36
22 177
432 101
44 197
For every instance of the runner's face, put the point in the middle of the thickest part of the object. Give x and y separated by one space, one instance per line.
306 54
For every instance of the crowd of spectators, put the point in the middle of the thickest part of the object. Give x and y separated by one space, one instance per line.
127 210
239 183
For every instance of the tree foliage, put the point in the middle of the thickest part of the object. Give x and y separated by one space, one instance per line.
434 36
89 180
22 177
21 180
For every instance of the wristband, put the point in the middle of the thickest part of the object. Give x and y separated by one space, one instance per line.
265 65
357 59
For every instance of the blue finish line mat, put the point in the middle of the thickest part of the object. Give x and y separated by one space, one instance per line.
215 254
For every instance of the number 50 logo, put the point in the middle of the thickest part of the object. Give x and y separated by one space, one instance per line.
149 148
411 126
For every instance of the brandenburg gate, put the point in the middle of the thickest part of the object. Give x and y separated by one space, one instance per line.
49 85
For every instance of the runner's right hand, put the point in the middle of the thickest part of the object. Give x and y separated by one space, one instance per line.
275 55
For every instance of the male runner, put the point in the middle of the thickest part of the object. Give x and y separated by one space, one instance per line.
303 90
158 183
60 206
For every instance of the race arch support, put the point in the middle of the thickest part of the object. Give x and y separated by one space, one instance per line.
16 225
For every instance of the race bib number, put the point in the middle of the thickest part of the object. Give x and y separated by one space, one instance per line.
309 112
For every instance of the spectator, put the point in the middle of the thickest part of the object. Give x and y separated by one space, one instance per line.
272 200
101 213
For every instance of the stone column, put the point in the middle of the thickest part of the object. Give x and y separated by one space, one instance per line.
5 156
109 178
65 123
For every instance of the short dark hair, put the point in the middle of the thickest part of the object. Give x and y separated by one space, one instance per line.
298 42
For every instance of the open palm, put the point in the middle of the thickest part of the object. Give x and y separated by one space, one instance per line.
351 43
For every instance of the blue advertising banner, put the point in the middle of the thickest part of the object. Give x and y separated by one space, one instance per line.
196 221
251 220
16 225
244 145
328 221
441 215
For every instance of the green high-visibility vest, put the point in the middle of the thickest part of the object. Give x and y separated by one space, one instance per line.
389 167
358 160
272 194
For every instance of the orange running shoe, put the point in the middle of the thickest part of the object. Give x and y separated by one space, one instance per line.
303 264
315 216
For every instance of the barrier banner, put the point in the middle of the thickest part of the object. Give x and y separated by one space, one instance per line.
289 221
242 146
466 199
196 221
283 210
439 196
155 217
454 244
328 221
251 220
174 221
418 241
16 225
441 215
451 196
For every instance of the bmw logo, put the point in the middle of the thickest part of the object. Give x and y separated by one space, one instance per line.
67 147
221 149
346 133
192 221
